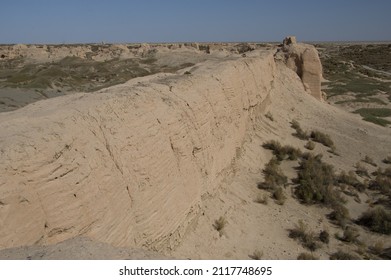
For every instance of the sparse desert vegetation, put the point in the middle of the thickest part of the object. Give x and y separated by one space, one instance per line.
306 256
282 152
343 255
300 133
377 220
316 181
304 235
358 78
322 138
273 175
350 235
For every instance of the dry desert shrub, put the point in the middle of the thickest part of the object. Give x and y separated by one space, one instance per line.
387 160
269 116
324 236
350 235
300 133
282 152
339 215
361 170
351 179
306 256
279 196
322 138
274 176
272 145
382 181
257 255
316 181
307 238
377 220
377 248
219 224
262 199
342 255
369 160
310 145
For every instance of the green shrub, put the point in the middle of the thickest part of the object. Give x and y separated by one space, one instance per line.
322 138
306 256
377 220
341 255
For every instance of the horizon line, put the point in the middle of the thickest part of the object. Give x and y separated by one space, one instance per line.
198 42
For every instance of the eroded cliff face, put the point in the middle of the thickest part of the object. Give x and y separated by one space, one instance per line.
304 60
127 165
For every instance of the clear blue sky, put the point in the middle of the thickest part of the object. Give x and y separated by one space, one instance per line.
82 21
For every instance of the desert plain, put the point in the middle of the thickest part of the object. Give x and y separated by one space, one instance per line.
195 151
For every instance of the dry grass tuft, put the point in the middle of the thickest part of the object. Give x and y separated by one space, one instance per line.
306 237
220 224
257 255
